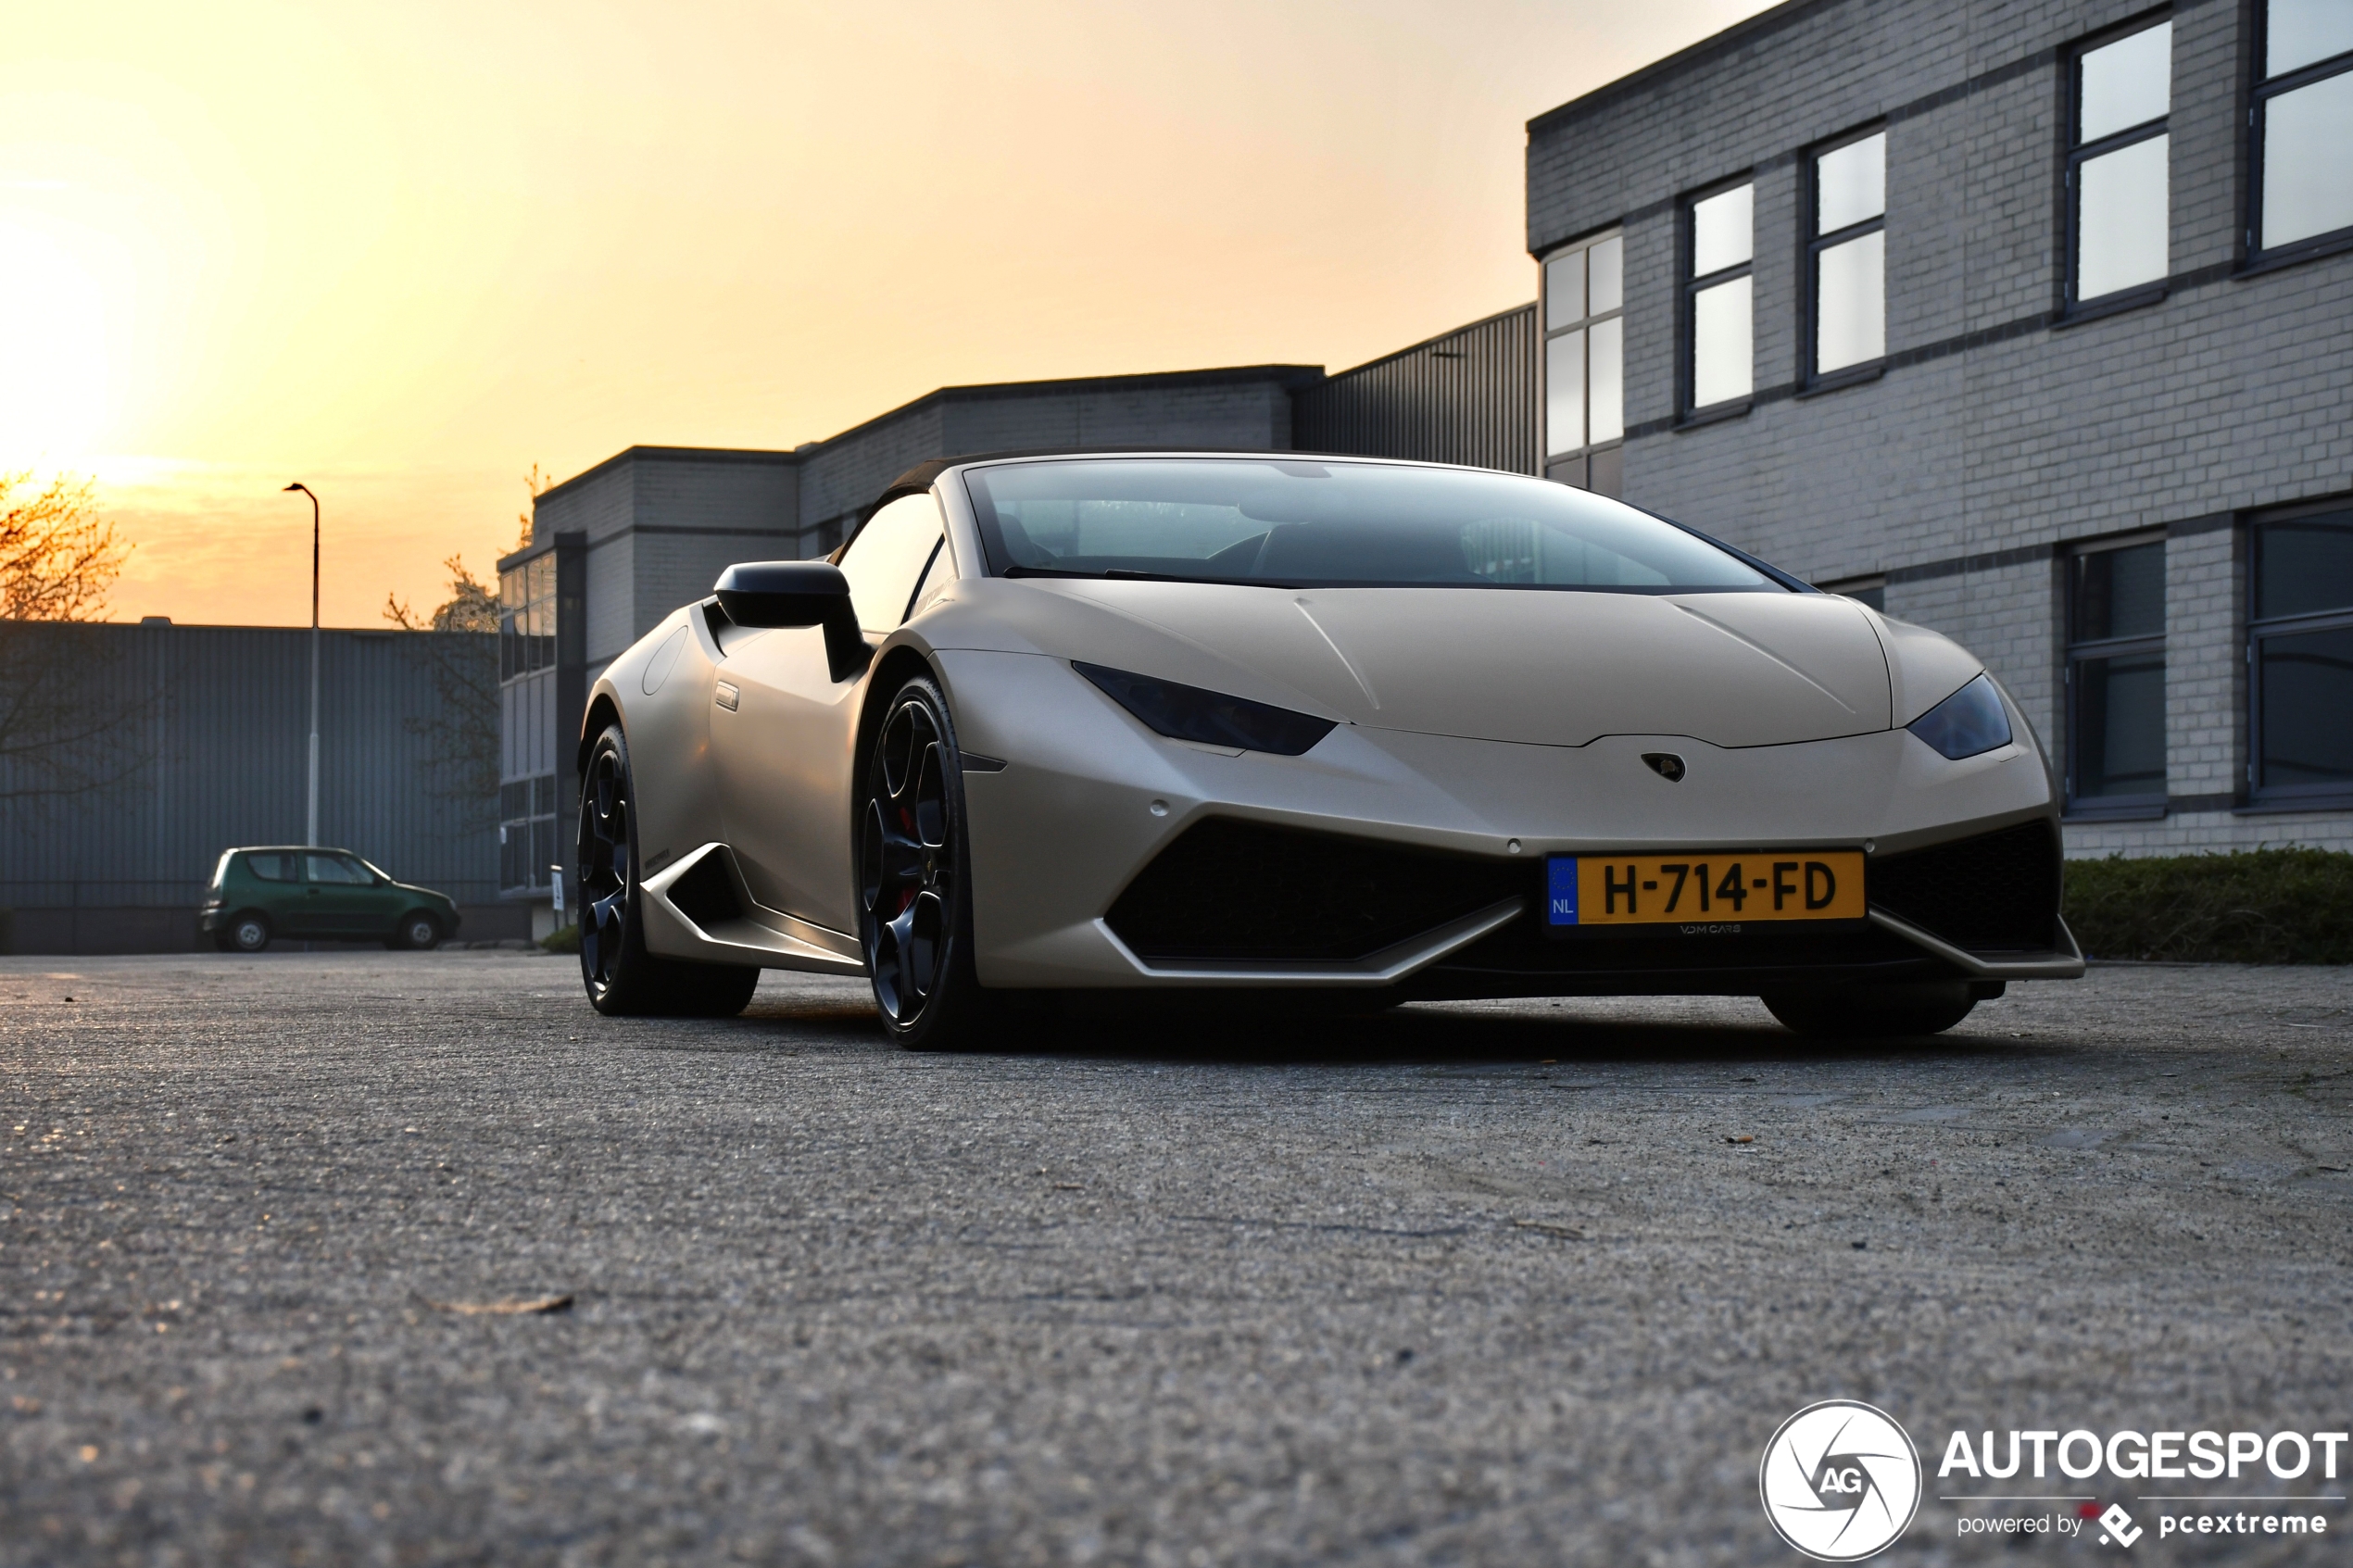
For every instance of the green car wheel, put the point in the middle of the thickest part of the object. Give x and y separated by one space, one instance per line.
418 933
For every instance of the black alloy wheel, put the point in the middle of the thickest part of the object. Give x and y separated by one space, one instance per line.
915 910
620 974
606 868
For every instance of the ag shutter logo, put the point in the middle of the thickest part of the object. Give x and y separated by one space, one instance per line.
1840 1481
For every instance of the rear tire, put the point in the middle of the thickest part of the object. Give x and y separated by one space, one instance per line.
914 879
621 977
1873 1011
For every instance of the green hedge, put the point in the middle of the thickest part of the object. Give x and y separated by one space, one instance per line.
2257 906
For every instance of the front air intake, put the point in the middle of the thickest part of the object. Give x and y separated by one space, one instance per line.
1236 892
1998 892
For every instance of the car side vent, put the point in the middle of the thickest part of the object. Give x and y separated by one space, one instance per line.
706 893
1998 892
1236 892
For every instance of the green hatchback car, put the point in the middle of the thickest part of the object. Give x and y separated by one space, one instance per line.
260 894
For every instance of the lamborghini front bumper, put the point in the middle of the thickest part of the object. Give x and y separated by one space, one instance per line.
1088 799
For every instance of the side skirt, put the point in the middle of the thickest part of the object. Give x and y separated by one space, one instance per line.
698 907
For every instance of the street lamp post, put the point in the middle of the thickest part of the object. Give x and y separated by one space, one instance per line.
311 828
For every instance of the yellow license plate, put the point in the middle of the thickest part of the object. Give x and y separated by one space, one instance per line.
1715 889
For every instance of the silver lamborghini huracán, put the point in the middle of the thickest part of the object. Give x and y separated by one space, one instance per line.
1379 730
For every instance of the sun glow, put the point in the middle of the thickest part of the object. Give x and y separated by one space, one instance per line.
54 347
403 252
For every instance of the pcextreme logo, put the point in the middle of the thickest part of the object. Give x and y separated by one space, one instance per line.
1840 1481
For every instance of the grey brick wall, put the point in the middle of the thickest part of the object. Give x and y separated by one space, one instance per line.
846 473
2227 395
662 522
693 515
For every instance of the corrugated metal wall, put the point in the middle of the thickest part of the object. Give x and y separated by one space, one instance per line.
210 752
1468 396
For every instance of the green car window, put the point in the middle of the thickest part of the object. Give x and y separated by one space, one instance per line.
273 868
338 869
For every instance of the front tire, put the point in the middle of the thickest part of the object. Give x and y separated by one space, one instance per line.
914 894
246 933
419 932
620 976
1873 1011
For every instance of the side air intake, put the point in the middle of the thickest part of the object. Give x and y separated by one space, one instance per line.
1998 892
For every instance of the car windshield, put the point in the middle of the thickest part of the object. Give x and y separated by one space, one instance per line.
1305 523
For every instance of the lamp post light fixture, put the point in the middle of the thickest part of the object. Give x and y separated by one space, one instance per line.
311 829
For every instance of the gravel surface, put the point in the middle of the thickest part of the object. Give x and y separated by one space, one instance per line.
1492 1284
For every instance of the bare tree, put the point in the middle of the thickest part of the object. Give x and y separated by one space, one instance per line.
65 725
534 482
462 732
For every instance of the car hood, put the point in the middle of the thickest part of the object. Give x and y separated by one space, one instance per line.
1547 667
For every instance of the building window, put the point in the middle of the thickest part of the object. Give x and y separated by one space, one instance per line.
1719 353
2117 159
1585 363
527 616
527 833
2116 675
2300 655
2303 123
1847 256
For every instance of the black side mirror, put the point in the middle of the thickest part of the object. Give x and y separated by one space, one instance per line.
796 592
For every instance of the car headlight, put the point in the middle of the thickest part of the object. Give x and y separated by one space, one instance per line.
1205 716
1971 721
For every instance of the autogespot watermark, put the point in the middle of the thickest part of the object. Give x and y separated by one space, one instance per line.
2148 1458
1840 1481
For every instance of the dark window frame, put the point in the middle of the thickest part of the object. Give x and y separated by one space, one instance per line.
2076 652
2075 152
527 616
1688 290
2261 91
529 840
1810 246
2258 629
1597 466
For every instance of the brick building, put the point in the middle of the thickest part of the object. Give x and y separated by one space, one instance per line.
2032 322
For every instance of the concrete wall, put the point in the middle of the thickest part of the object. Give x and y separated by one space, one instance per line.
1999 432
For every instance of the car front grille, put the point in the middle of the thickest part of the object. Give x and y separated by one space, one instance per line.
1998 892
1236 892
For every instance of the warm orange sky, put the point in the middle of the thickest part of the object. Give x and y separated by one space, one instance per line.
405 251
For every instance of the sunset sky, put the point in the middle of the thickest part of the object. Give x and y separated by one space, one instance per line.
406 252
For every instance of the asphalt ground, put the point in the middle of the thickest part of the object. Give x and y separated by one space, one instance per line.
1460 1284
